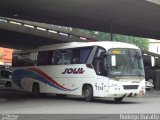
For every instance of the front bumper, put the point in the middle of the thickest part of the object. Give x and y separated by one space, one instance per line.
121 92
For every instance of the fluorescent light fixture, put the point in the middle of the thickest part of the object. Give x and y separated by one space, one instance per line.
16 23
52 31
30 26
39 28
64 34
2 20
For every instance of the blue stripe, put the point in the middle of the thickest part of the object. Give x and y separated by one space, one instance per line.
18 75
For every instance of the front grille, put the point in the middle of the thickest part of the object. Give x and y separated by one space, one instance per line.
130 87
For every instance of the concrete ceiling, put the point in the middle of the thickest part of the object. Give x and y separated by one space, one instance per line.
22 34
130 17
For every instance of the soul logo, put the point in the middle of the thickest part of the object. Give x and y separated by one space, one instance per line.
73 71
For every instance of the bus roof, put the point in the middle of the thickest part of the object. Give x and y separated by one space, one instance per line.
104 44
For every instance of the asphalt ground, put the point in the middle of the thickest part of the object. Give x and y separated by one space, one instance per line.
23 103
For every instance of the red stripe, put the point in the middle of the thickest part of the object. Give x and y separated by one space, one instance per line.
46 76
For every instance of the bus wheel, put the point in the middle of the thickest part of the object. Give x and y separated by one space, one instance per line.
35 90
8 84
88 93
118 100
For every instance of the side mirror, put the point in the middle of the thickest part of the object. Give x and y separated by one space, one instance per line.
101 66
113 60
103 55
149 61
152 61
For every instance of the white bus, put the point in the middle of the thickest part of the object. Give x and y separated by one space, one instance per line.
89 69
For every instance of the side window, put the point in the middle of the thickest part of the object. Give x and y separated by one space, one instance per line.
64 56
75 56
56 58
100 62
84 54
24 59
44 58
61 57
80 55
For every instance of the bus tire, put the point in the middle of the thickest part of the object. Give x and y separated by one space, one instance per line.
88 93
118 100
35 90
8 84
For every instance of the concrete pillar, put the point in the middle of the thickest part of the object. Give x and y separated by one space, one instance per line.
157 80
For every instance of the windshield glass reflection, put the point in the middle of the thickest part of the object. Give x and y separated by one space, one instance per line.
128 62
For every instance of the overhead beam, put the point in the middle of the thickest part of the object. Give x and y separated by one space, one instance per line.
26 34
130 17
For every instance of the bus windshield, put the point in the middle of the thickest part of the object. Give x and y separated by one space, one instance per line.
126 62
